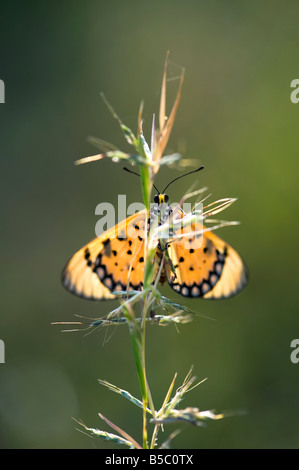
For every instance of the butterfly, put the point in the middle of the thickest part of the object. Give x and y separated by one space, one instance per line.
115 261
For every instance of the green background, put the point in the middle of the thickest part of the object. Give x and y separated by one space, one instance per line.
236 118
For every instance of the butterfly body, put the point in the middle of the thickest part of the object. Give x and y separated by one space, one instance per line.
113 262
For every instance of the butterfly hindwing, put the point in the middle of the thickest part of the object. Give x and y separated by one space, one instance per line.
114 261
205 267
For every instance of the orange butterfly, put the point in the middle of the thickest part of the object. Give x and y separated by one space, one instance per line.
115 261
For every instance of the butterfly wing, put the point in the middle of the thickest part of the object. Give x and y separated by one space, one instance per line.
112 262
213 270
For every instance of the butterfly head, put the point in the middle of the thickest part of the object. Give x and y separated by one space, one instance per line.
161 198
160 211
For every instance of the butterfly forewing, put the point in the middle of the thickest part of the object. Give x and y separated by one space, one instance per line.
112 262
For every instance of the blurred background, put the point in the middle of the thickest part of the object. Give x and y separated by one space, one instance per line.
237 119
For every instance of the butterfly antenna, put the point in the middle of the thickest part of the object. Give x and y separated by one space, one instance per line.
137 174
182 176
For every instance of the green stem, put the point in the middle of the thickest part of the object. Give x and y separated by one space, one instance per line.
138 331
137 340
